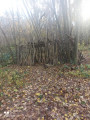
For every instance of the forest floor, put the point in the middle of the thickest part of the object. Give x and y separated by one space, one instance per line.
56 93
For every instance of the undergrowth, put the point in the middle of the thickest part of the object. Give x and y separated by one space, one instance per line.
82 71
82 47
11 78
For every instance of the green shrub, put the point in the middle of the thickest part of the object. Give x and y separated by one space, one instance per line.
82 71
6 58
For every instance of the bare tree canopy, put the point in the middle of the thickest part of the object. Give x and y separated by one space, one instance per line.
50 21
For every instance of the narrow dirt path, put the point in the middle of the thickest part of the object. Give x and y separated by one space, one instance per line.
87 57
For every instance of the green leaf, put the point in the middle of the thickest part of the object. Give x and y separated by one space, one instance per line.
40 96
1 94
83 103
15 90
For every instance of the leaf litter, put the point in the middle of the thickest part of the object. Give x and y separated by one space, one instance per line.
45 95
